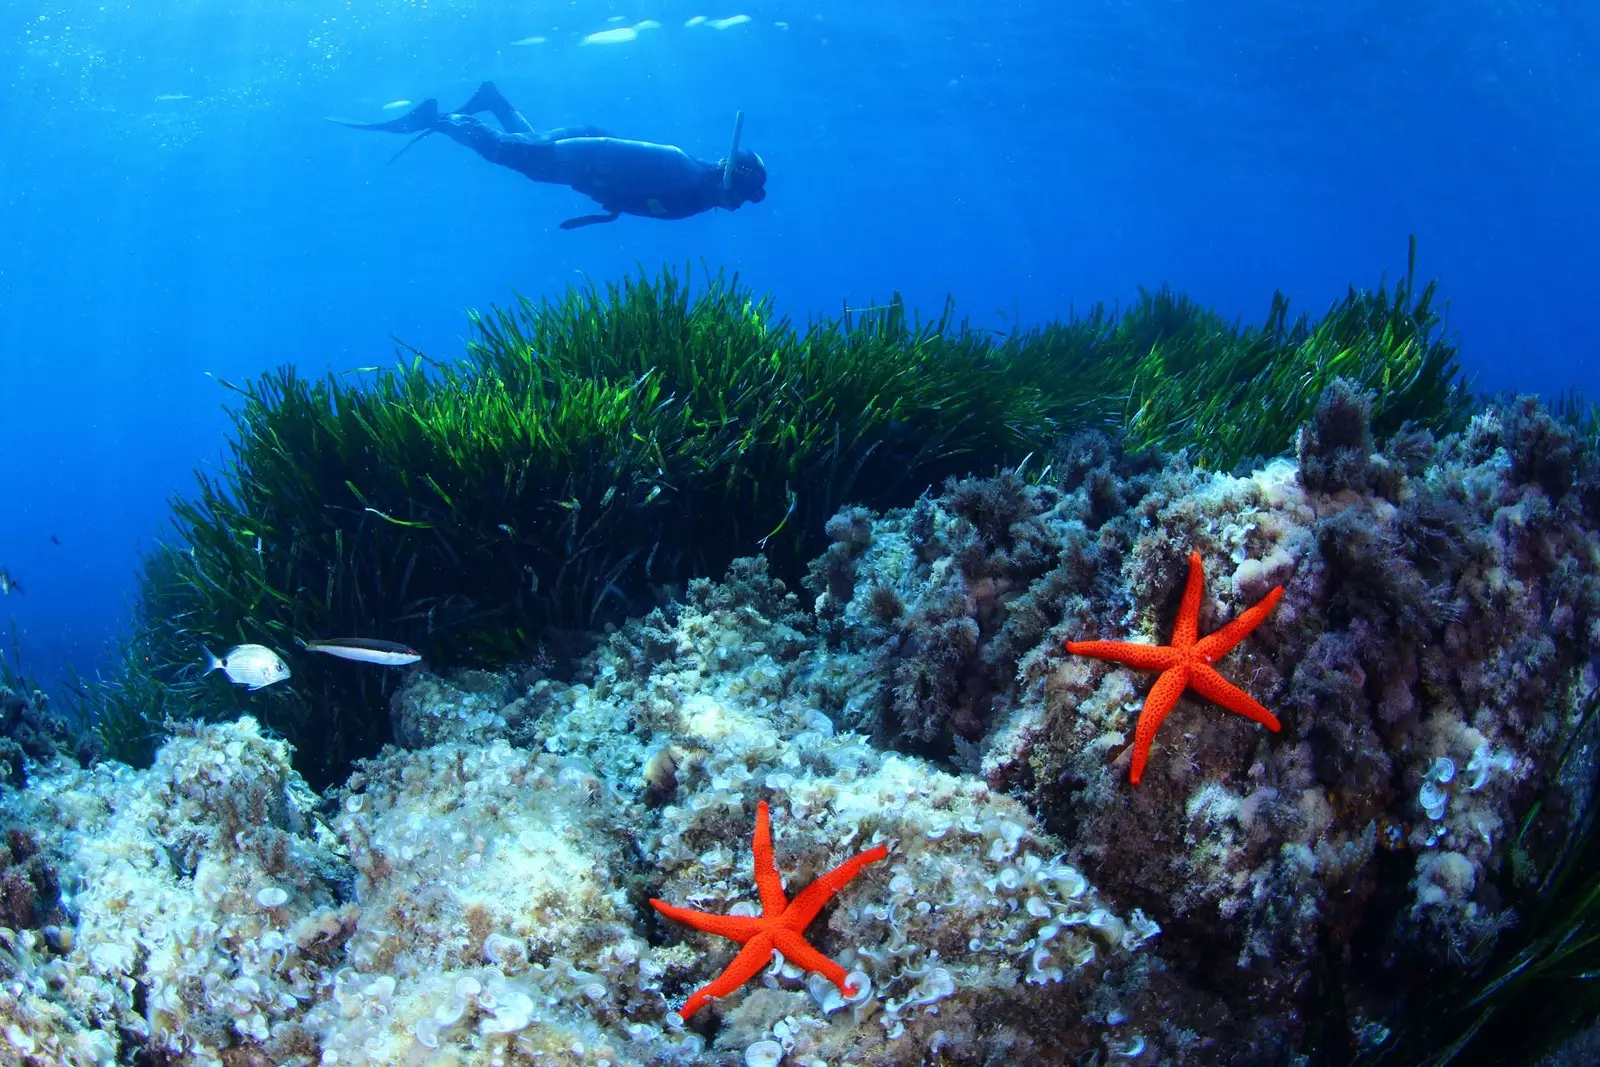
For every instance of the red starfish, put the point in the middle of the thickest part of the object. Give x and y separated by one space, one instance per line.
1186 664
781 925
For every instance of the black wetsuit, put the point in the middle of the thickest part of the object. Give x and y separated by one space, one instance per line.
625 177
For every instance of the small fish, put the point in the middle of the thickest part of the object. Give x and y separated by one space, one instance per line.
531 40
164 97
252 665
54 540
8 584
366 650
395 105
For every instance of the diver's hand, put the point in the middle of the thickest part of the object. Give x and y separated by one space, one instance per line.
589 220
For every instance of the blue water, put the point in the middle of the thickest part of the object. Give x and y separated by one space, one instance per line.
174 205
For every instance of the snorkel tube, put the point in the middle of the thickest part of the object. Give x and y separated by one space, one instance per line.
733 151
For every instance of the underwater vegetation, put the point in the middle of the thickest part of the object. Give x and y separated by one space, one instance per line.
1170 375
1404 874
591 454
912 527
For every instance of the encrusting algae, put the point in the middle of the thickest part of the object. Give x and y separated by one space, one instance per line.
481 893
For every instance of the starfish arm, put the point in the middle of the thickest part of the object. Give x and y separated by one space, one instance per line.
768 882
799 952
1163 696
1187 628
1216 645
1144 657
813 897
739 928
1217 689
745 966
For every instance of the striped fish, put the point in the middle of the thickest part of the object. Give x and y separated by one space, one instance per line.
256 666
366 650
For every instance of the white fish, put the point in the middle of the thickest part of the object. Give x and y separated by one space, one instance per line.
697 20
729 22
252 665
396 105
172 96
618 36
647 24
531 40
366 650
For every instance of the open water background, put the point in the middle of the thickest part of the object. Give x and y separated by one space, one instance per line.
172 204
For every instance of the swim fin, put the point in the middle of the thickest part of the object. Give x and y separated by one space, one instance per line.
489 98
424 118
486 98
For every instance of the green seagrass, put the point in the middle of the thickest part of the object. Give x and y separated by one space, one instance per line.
592 453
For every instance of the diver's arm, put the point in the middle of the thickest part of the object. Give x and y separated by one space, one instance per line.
589 220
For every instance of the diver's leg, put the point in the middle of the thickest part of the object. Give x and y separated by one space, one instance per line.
488 98
562 133
521 154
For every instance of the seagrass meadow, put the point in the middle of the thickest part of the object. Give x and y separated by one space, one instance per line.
589 454
667 554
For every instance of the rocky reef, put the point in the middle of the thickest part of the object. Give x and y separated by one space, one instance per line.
1430 662
475 902
478 893
30 733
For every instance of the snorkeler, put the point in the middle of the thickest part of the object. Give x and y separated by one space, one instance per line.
625 177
